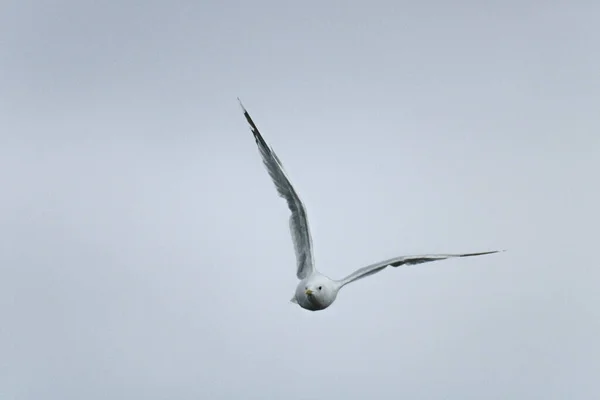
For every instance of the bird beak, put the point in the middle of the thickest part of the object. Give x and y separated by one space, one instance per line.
308 292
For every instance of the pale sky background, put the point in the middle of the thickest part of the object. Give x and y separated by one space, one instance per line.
144 253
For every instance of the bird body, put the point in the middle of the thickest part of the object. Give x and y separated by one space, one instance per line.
316 291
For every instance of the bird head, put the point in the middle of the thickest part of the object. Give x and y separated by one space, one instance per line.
319 293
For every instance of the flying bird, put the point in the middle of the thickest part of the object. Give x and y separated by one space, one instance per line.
316 291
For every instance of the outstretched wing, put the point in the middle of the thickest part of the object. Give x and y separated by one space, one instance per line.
404 260
298 220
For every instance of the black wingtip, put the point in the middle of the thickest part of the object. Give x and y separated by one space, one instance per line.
253 126
248 118
482 253
242 105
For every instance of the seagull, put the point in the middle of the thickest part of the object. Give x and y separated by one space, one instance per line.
316 291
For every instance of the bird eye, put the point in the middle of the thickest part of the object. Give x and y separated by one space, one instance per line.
320 287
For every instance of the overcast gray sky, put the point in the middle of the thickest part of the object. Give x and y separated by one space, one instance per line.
144 253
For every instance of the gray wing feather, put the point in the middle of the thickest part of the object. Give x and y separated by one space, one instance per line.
299 228
403 260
